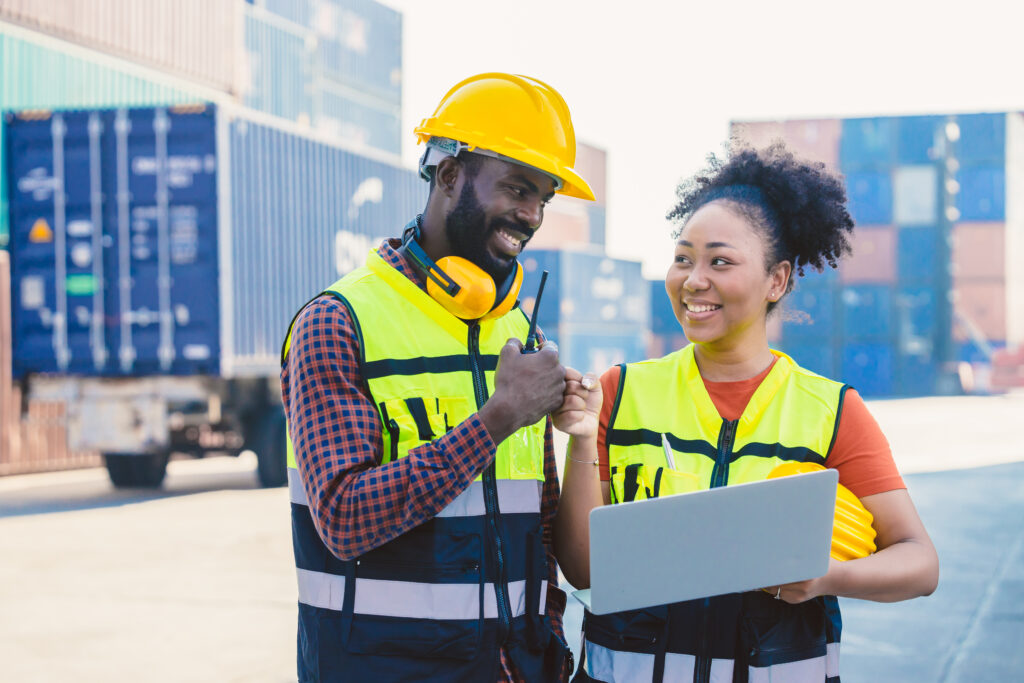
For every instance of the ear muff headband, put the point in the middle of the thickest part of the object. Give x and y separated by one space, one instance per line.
463 288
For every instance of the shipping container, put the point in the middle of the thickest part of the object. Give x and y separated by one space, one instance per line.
341 113
868 368
867 312
916 195
360 45
594 348
982 195
918 314
874 256
809 313
916 376
9 412
814 140
979 251
920 254
159 255
869 196
817 356
42 73
108 196
813 279
196 39
867 144
586 287
276 67
1015 229
592 165
982 139
663 317
919 139
980 305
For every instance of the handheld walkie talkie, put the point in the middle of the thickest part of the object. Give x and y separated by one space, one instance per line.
531 338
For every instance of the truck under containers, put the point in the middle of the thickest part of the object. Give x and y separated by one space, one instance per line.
158 256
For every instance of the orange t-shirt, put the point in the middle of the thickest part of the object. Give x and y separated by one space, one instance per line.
861 452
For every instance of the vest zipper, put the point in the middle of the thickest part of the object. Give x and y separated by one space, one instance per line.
719 477
491 493
720 473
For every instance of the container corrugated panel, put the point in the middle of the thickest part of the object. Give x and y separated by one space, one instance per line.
663 318
870 196
867 143
916 197
919 254
916 138
598 216
917 317
303 213
566 223
595 348
983 303
360 44
873 258
868 367
276 67
359 121
817 356
42 76
592 165
194 38
867 312
982 194
982 138
812 279
114 238
977 250
9 410
589 288
915 376
811 313
814 139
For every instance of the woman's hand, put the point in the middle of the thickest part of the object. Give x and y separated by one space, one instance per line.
802 591
581 405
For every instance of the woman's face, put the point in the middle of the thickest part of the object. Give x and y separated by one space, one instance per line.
718 284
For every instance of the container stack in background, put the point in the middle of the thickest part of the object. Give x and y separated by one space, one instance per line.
572 222
928 298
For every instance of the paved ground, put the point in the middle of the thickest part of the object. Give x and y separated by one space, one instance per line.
195 583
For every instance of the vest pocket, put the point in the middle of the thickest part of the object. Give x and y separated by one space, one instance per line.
410 422
774 632
637 481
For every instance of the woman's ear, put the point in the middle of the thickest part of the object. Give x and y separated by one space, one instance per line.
780 274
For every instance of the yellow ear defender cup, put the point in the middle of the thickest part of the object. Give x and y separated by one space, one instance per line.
463 288
853 536
516 117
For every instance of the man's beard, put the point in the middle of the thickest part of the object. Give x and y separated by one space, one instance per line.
468 234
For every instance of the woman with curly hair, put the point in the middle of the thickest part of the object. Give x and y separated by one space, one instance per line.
732 409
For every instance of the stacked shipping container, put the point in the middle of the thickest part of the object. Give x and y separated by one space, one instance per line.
573 222
596 308
925 286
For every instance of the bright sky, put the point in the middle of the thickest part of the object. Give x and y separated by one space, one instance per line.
656 83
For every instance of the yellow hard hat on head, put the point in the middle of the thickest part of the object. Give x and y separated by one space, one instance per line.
517 118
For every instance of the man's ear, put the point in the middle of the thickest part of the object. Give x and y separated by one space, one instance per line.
446 175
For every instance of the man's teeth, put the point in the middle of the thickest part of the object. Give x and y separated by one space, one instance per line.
509 237
701 308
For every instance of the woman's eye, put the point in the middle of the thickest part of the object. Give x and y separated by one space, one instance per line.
681 259
719 262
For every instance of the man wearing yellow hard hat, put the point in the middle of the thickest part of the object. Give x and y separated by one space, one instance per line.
421 468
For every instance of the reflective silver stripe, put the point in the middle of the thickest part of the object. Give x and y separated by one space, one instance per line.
514 495
804 670
605 664
615 666
832 660
411 599
296 491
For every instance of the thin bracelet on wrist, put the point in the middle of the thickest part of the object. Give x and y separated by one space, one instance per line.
595 462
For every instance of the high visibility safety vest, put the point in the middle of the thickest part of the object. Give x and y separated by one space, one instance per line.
793 415
438 602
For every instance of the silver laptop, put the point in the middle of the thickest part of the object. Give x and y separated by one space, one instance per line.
723 540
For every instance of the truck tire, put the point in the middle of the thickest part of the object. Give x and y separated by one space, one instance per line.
272 449
142 470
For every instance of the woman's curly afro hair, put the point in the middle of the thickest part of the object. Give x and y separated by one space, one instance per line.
799 206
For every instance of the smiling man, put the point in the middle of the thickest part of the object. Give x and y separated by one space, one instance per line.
421 469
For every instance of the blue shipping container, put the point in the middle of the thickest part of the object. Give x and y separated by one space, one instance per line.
819 356
982 139
585 287
919 254
916 138
867 312
867 143
814 313
982 193
868 368
663 317
915 376
595 348
157 241
870 197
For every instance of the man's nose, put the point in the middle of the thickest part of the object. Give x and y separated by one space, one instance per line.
531 213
